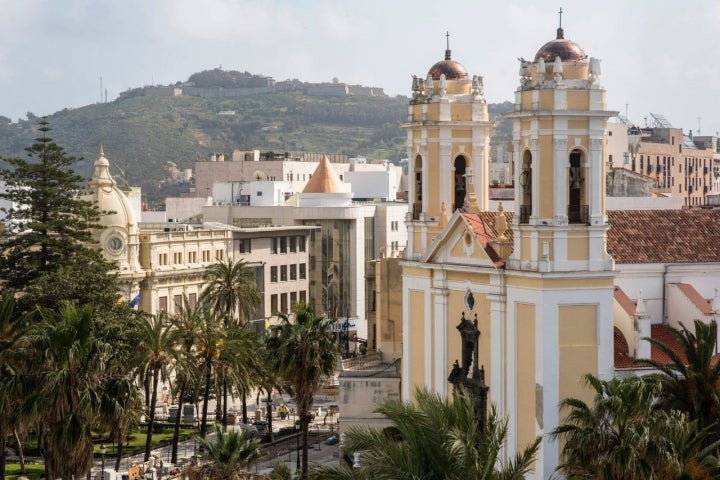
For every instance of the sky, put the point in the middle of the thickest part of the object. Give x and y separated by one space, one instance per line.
658 56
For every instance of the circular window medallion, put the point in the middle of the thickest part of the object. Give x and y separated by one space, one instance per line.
115 244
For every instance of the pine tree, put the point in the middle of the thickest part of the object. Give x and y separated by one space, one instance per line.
49 224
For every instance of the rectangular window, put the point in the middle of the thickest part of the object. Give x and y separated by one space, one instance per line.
283 244
206 255
293 299
219 255
293 244
273 245
177 302
283 273
302 271
284 303
177 258
162 259
192 300
302 296
273 275
293 272
301 244
273 304
162 304
244 246
192 257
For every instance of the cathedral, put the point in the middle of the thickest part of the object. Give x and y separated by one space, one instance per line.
539 283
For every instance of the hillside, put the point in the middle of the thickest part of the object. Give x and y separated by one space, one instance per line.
143 133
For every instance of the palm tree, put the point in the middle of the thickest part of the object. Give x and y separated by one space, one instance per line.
157 352
120 410
431 438
620 435
68 362
228 454
187 322
209 344
691 384
302 353
232 291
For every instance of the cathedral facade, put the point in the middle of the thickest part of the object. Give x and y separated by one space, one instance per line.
539 283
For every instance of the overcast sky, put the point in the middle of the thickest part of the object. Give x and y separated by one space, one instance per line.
658 56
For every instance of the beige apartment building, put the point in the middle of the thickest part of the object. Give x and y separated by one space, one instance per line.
679 165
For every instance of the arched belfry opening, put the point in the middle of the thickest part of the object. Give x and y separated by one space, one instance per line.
418 176
577 206
460 182
526 187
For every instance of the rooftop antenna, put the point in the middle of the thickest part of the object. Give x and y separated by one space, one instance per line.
699 120
101 89
447 50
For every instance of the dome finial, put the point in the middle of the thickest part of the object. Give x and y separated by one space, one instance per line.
560 31
448 56
102 153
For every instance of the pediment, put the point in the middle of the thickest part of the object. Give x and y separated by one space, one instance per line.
460 244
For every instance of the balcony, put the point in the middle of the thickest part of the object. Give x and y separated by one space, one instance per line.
578 214
525 211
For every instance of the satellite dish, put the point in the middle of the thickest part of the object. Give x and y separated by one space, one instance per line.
259 175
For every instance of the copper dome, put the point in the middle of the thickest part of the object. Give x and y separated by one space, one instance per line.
453 70
567 50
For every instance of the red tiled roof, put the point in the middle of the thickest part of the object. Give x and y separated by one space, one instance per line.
624 301
664 236
622 355
642 236
689 291
482 225
660 333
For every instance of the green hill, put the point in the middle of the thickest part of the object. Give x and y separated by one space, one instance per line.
143 133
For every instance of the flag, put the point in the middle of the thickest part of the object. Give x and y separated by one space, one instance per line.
135 301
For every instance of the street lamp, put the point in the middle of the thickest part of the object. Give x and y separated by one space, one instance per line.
297 438
102 461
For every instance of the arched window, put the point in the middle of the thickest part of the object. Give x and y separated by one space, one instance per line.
417 201
526 186
577 212
460 183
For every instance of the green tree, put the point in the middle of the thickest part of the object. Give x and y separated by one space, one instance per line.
187 321
157 353
50 224
68 362
120 410
620 435
302 353
691 381
208 349
10 369
431 438
229 455
232 291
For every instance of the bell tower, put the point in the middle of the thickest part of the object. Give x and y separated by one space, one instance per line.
559 125
448 143
559 278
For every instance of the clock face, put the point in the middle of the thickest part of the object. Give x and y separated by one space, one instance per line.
115 244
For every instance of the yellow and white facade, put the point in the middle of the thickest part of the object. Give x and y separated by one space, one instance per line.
543 296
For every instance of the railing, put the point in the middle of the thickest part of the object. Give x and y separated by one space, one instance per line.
578 214
525 211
